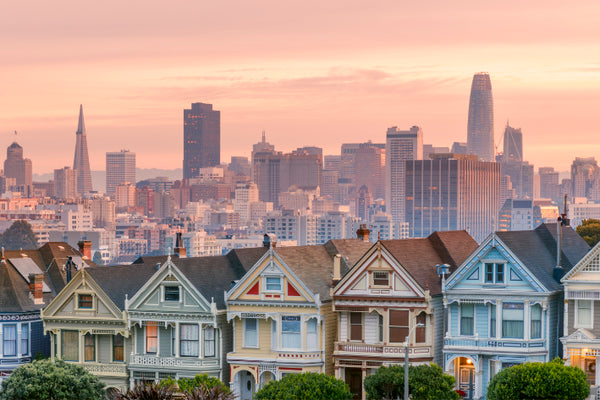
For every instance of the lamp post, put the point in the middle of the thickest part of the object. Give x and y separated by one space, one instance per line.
406 344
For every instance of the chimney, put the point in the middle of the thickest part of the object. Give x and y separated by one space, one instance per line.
363 233
85 248
179 249
36 287
337 273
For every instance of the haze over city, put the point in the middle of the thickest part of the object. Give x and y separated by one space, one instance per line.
309 73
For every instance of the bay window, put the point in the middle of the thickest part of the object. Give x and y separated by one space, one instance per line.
25 339
209 342
536 321
492 320
89 345
9 340
420 331
70 345
356 326
467 319
290 332
151 338
512 320
250 332
584 314
312 340
398 326
118 348
188 340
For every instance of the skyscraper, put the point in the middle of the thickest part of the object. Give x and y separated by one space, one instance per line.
513 144
401 146
480 128
18 167
81 162
120 167
65 183
201 139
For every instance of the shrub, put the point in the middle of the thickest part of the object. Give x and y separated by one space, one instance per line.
539 381
48 380
146 391
306 386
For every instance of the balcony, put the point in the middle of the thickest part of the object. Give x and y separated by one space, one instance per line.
299 355
495 344
381 350
106 369
144 360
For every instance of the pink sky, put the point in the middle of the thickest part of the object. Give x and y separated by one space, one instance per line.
308 72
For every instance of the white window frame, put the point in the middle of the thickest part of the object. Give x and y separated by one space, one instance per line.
27 339
301 333
315 345
244 340
267 277
577 324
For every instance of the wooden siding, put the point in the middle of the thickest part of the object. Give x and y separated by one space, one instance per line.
165 341
438 329
225 331
330 326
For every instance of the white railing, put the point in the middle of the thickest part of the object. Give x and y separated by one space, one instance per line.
106 369
381 349
179 362
583 294
299 355
534 345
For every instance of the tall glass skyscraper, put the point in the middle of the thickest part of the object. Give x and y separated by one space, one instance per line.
81 161
480 128
201 139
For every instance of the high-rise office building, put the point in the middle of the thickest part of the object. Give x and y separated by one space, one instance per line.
65 183
201 138
18 168
584 171
452 192
401 146
369 167
480 128
81 162
120 167
549 185
513 144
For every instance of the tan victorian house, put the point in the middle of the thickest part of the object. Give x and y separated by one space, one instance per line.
392 289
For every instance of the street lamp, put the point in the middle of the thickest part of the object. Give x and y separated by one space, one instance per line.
406 344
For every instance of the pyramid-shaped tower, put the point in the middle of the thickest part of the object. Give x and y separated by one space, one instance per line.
81 162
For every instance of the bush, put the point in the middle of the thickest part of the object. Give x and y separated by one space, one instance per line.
306 386
47 380
199 381
425 382
146 391
539 381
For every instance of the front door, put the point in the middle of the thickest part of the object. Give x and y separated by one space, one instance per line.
354 381
466 382
246 385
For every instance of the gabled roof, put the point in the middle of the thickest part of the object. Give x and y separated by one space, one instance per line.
591 257
536 250
419 257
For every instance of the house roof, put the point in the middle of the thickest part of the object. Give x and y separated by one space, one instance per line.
536 249
419 257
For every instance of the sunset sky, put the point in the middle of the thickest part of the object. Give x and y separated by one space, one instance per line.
307 72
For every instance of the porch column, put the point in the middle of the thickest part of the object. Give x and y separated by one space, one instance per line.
597 372
363 395
58 344
81 343
479 378
52 348
200 341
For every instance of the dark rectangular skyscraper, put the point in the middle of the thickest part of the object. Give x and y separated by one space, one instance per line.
201 138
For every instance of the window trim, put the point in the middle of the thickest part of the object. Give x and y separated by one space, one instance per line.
182 341
266 284
86 346
92 302
577 324
155 325
460 317
373 279
495 272
16 340
244 329
164 296
114 347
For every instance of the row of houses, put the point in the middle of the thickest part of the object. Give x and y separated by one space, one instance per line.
344 308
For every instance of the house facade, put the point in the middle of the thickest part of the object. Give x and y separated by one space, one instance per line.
504 303
393 288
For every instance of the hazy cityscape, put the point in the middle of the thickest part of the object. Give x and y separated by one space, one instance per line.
230 195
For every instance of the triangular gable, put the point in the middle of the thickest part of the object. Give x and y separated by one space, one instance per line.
514 265
150 296
65 303
252 286
588 265
378 258
580 335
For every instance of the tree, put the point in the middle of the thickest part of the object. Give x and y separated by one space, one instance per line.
148 391
425 382
306 386
48 380
589 230
97 259
539 381
18 236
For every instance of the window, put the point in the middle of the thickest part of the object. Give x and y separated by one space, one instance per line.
25 339
467 319
151 338
312 341
398 325
171 293
273 283
70 345
584 313
512 320
273 334
380 326
9 340
536 321
492 320
89 347
85 301
188 340
420 331
381 278
355 326
209 342
290 332
118 348
250 332
494 273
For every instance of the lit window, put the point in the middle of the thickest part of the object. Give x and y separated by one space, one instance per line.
151 338
273 283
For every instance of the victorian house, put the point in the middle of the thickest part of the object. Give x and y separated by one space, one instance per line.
392 292
504 303
29 280
281 313
581 332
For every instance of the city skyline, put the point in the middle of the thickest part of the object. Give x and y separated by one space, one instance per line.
265 67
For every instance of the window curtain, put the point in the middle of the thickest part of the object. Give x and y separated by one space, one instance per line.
584 312
290 332
70 345
209 342
189 340
536 321
10 340
25 339
467 318
512 320
311 334
89 347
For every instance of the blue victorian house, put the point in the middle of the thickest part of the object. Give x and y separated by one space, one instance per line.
504 303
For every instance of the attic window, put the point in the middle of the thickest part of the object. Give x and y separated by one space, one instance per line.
273 283
381 278
85 301
171 293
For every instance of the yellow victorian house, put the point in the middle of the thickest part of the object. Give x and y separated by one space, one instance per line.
282 315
